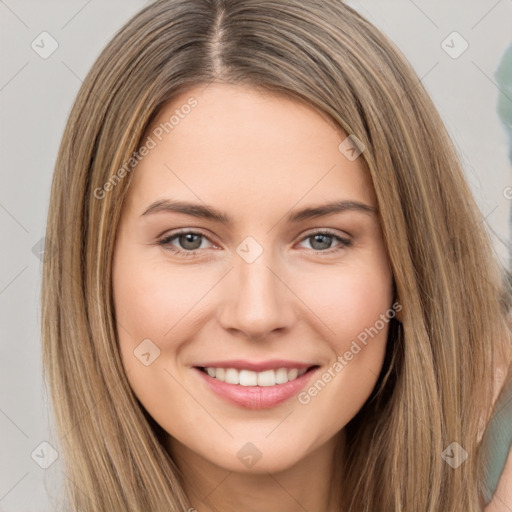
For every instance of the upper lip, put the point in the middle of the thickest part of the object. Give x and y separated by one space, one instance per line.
261 366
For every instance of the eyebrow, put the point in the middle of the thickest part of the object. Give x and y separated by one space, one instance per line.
210 213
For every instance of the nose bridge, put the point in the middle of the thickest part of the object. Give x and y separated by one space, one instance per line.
258 301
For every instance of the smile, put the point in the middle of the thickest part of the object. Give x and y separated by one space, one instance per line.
255 389
250 378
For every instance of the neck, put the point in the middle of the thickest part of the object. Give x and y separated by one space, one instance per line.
312 484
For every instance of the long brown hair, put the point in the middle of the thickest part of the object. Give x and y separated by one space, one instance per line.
436 386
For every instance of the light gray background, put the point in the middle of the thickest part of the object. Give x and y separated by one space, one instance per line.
35 99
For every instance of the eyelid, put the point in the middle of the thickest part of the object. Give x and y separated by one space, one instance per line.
183 231
167 237
165 243
328 231
344 241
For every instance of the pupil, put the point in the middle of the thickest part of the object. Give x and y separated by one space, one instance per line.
189 239
323 240
324 237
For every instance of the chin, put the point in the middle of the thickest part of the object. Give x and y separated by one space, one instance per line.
268 463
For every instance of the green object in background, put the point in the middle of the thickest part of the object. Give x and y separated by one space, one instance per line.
497 442
504 78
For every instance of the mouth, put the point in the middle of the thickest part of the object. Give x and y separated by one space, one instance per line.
266 378
255 389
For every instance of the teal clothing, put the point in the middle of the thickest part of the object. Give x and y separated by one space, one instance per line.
504 79
497 442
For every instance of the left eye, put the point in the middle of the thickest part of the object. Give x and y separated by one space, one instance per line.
324 238
190 241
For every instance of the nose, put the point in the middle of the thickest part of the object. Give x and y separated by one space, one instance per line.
258 300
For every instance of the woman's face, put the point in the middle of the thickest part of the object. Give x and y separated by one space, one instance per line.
265 286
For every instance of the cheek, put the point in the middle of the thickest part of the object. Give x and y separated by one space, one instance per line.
151 301
339 306
355 305
349 301
164 304
152 308
147 307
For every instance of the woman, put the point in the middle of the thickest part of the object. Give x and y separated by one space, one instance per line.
261 369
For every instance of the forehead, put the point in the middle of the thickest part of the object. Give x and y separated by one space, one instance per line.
221 142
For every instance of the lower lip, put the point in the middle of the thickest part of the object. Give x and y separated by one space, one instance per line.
256 397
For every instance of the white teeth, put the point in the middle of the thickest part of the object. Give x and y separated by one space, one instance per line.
232 376
267 378
282 376
250 378
292 374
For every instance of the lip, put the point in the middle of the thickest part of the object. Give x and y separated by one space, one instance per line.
241 364
256 397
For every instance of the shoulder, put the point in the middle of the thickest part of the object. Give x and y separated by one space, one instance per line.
502 498
498 445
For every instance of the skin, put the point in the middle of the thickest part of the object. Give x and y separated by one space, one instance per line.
257 157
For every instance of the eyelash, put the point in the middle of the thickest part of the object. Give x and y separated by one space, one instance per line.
165 242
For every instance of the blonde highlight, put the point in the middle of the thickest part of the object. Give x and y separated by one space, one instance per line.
325 54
